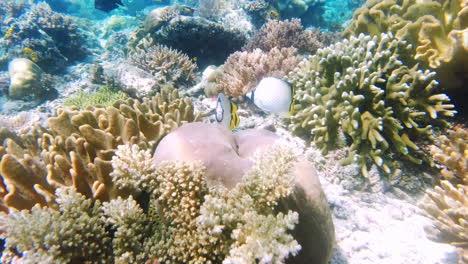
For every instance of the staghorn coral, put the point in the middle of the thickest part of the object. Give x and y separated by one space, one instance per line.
452 153
166 65
289 33
74 232
77 148
242 71
361 87
437 29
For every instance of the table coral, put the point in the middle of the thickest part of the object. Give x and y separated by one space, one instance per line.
77 147
437 29
360 86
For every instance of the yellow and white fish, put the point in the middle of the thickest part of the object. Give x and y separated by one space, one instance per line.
226 112
273 95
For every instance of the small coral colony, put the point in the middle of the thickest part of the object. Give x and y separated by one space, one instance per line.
127 169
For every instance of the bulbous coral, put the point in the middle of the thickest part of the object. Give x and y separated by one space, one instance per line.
166 65
437 29
242 71
78 146
362 87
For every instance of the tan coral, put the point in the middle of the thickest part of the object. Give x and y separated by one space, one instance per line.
78 146
244 70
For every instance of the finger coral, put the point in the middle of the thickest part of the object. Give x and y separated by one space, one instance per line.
447 205
166 65
180 223
242 71
361 87
77 147
437 29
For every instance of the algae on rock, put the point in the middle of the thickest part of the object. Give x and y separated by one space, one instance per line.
361 87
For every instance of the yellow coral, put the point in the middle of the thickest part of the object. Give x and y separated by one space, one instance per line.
31 54
9 32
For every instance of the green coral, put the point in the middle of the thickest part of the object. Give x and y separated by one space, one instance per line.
360 86
104 96
74 233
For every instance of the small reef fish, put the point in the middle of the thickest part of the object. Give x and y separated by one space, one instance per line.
273 95
107 5
226 112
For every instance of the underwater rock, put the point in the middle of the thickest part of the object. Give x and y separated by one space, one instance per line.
25 79
132 80
226 157
208 41
157 17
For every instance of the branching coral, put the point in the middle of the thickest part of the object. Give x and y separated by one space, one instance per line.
242 71
78 146
166 65
174 226
289 33
437 29
75 232
447 205
361 86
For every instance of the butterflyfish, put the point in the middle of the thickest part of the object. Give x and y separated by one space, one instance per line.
226 112
273 95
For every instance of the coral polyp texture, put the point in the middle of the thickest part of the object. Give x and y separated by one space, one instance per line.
447 204
242 71
437 29
184 220
77 147
166 65
361 87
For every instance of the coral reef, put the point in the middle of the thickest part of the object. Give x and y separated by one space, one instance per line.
238 160
289 33
184 221
77 147
159 16
447 204
196 36
25 79
54 39
74 232
299 8
242 71
104 96
361 87
437 30
166 65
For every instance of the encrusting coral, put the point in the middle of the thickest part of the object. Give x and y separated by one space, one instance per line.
361 87
242 71
182 222
166 65
447 205
104 96
437 29
77 147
